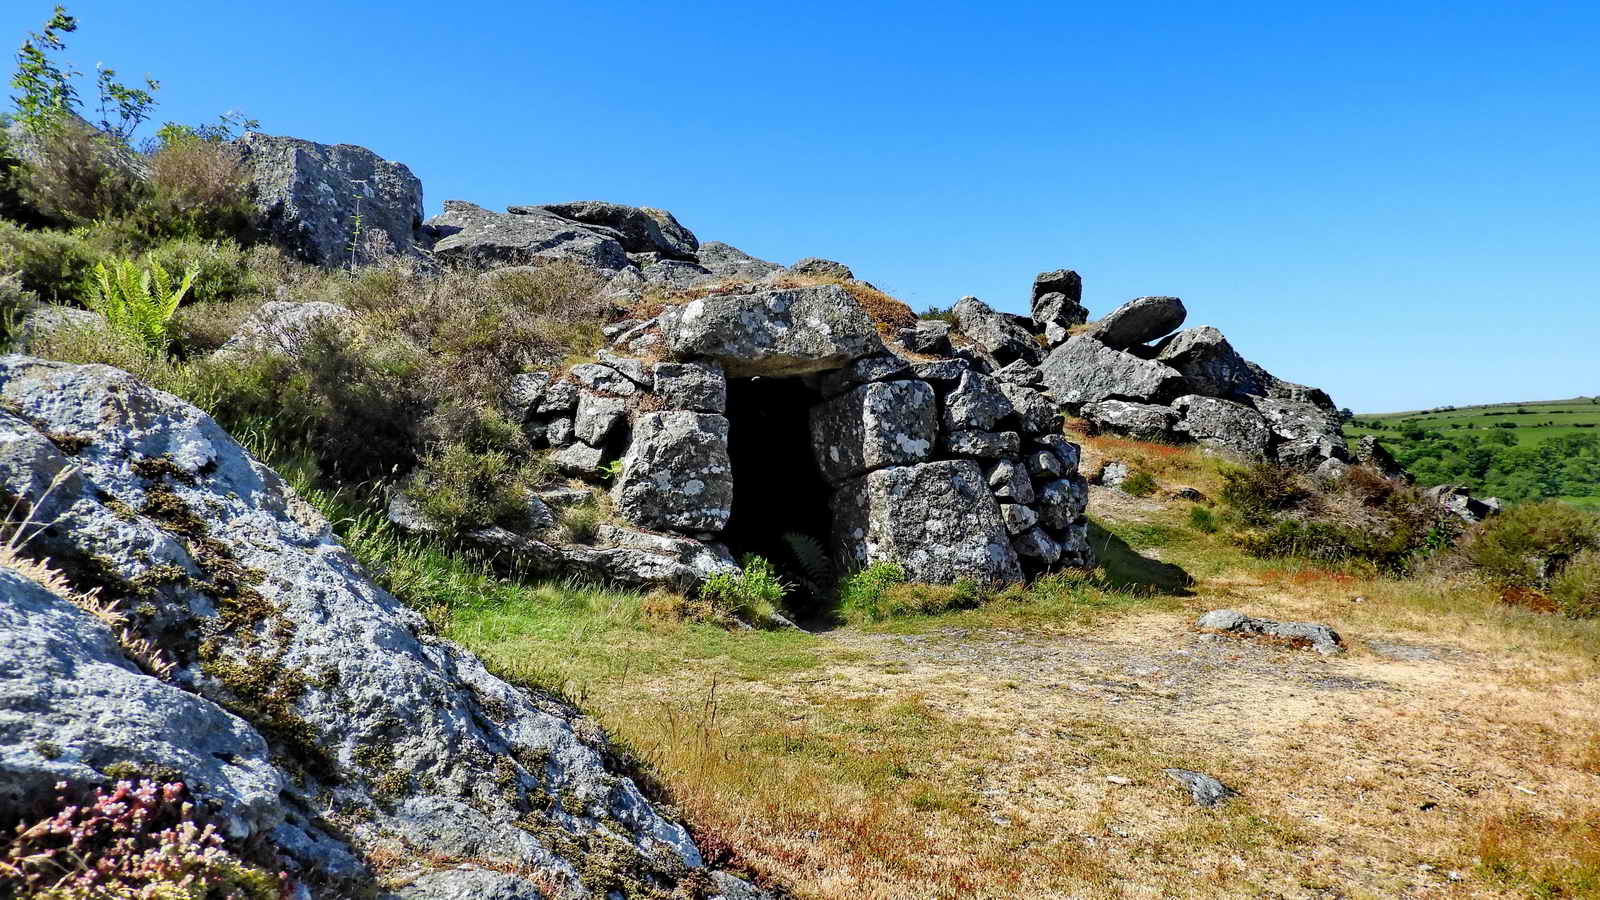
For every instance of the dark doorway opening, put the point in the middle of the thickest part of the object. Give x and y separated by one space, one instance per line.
779 496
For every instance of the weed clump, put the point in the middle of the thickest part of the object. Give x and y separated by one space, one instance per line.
752 595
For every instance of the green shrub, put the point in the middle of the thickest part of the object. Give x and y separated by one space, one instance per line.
1138 484
751 596
864 595
138 301
1526 544
464 489
195 188
76 175
1576 591
1203 520
1260 491
223 267
581 521
53 264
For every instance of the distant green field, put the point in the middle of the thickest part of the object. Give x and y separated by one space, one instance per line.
1517 451
1534 421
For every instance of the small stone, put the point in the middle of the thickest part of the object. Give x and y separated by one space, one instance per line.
982 444
1018 518
1119 780
1203 789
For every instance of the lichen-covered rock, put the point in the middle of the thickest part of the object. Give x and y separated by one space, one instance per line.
1224 425
1375 456
1454 499
72 704
1065 282
1075 547
930 336
468 234
403 739
976 404
280 326
1305 434
937 520
995 332
867 369
1021 373
1138 420
309 195
1137 321
639 229
524 392
1038 546
577 459
696 386
1211 365
941 371
1018 518
676 474
1031 410
889 423
1083 370
1067 452
597 416
43 320
1010 482
782 332
981 444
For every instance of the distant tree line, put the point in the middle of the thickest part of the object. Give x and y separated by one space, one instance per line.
1489 462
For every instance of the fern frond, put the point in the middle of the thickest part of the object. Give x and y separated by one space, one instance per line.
812 556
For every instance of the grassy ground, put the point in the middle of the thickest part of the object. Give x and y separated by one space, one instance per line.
1018 749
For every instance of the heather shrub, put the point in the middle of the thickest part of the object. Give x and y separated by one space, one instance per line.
222 267
1260 491
200 328
75 175
464 489
195 188
133 842
1526 545
1576 591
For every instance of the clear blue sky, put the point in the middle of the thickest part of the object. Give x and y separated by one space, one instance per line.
1396 202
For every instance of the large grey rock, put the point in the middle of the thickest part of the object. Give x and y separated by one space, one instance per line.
1083 370
309 196
42 320
1223 424
402 736
876 425
927 336
1031 410
1276 388
1065 282
73 704
1038 546
603 379
1137 321
727 262
937 520
676 474
1056 313
1138 420
1454 499
697 386
995 332
780 332
281 326
976 404
524 392
1212 367
1319 637
639 229
468 234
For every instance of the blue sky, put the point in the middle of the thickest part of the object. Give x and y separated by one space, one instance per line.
1396 202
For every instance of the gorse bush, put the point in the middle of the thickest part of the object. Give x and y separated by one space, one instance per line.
133 842
138 301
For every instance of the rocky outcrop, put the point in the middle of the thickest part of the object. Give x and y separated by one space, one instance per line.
1455 500
1137 321
780 332
43 320
997 333
1209 363
467 234
322 202
1145 421
639 229
304 704
822 268
1225 425
728 262
1084 370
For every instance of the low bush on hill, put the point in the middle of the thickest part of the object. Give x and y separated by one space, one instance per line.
1546 549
